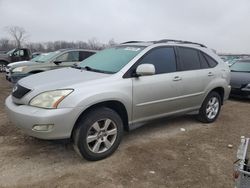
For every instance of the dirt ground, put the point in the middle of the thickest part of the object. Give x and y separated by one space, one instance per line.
155 155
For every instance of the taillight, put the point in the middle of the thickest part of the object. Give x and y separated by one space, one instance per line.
236 174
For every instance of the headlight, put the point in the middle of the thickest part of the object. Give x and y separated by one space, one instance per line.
50 99
19 69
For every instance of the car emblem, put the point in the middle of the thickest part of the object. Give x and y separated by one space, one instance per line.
14 88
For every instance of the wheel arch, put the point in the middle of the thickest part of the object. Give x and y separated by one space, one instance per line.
220 91
115 105
5 61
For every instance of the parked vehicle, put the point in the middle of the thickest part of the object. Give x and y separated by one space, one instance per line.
19 54
240 78
54 60
119 89
36 54
14 65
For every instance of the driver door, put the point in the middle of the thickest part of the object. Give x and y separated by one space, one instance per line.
156 95
67 59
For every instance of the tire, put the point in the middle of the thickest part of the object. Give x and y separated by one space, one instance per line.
98 134
3 64
210 108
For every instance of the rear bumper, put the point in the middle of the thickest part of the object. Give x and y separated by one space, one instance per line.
227 92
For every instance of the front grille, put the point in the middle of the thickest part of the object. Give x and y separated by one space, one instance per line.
19 91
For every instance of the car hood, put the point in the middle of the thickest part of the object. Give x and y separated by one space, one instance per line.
20 64
4 56
60 78
239 79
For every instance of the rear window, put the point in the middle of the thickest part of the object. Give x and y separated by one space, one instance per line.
212 63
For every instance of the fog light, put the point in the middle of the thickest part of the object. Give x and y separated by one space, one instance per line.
46 127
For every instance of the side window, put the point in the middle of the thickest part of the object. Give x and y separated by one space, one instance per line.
83 55
162 58
21 53
189 59
204 63
68 57
212 63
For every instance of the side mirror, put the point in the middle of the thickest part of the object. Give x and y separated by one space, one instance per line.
57 62
145 70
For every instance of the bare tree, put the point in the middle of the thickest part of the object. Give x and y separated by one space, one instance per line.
94 44
19 34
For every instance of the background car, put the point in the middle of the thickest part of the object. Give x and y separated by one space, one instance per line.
53 60
18 54
240 78
11 66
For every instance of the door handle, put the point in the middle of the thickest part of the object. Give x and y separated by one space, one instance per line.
177 78
210 74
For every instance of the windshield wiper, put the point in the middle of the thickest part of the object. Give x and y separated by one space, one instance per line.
97 70
87 68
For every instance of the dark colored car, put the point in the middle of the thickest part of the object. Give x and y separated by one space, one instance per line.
240 78
19 54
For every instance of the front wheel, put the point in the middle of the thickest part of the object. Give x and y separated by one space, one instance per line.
210 108
3 65
98 134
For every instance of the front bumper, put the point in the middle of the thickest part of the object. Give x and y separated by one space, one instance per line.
240 92
25 117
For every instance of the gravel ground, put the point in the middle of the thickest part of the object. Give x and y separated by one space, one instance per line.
155 155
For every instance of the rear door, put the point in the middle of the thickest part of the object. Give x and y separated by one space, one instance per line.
195 74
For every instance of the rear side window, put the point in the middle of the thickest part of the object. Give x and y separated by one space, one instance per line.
162 58
212 63
83 55
189 59
204 63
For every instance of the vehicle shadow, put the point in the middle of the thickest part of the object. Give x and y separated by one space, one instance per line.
239 99
60 150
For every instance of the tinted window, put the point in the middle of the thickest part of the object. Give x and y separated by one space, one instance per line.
203 61
84 55
189 59
162 58
211 62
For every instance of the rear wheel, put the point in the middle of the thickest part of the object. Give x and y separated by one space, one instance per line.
98 134
210 108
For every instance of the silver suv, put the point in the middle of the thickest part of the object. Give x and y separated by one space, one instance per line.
119 89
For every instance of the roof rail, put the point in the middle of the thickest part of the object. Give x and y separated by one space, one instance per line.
179 41
132 42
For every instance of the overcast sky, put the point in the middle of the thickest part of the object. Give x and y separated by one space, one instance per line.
221 24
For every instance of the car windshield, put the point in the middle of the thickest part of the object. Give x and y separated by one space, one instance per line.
45 57
241 66
10 52
111 60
